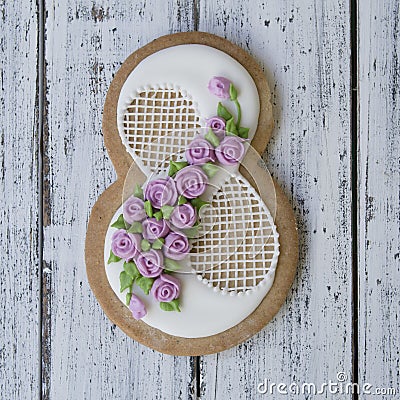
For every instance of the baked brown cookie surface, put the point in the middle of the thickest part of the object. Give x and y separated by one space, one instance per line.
110 201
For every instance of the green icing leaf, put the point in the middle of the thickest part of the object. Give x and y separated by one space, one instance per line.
223 112
145 245
239 113
175 166
125 281
128 298
131 269
113 258
148 208
179 164
138 192
243 132
158 215
119 223
171 306
212 138
232 92
167 211
210 169
136 227
199 203
172 169
145 283
192 232
158 244
168 272
182 200
231 127
171 265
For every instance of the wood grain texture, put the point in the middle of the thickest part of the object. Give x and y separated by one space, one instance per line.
88 357
379 193
304 48
306 55
19 199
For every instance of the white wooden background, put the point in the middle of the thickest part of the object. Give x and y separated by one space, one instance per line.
335 151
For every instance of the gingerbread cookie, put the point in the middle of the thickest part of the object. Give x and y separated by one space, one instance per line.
186 252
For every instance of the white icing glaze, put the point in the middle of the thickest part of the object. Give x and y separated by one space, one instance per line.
190 67
205 311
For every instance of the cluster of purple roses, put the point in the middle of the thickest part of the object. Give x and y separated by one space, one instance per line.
153 230
150 247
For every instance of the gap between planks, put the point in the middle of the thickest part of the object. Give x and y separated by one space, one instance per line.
354 184
43 328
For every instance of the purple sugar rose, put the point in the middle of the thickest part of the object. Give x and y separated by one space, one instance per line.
133 210
219 87
153 229
199 152
230 151
161 192
217 124
137 307
191 181
176 246
125 245
166 288
183 216
150 263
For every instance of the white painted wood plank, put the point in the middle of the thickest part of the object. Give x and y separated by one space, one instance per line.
19 199
379 194
88 357
305 50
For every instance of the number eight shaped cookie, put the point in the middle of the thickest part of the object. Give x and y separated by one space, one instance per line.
187 252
